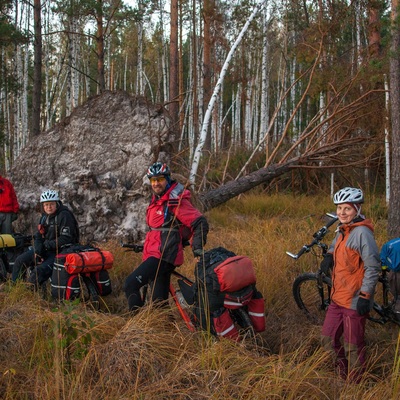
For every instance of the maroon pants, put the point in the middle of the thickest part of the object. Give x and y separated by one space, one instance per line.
343 322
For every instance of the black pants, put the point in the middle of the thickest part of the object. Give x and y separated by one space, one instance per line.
40 274
153 270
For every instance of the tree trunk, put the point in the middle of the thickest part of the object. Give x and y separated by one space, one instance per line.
208 10
394 203
174 70
222 194
100 48
37 69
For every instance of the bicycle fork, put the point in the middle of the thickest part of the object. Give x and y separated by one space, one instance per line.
185 316
320 284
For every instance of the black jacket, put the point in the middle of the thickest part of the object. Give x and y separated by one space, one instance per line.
56 231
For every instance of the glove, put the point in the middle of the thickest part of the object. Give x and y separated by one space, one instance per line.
38 247
198 252
327 263
138 248
48 244
363 305
38 236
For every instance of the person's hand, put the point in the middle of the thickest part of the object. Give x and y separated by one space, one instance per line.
38 246
138 248
198 253
38 259
363 305
327 263
38 237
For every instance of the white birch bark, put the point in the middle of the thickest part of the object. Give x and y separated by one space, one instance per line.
139 77
203 133
237 117
387 143
75 65
125 70
264 80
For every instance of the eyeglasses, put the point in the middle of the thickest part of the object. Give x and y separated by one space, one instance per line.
159 179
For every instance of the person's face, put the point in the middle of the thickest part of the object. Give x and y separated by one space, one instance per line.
158 184
50 207
346 213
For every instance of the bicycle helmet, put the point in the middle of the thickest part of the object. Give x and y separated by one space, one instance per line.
348 195
49 195
158 169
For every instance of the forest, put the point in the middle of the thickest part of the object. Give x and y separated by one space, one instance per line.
295 98
247 84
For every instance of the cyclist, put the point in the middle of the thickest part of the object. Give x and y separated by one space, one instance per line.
9 206
354 256
169 216
57 229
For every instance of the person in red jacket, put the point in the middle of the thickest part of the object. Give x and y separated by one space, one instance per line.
170 216
9 206
354 256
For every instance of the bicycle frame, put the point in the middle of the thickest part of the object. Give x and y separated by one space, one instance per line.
180 301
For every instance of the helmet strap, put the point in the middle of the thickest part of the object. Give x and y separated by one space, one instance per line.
357 207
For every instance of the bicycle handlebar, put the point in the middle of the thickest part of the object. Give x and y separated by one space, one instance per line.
137 248
318 236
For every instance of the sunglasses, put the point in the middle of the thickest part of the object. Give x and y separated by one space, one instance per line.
159 179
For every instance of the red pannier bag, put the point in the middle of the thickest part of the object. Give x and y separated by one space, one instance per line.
88 261
235 273
102 281
224 325
256 311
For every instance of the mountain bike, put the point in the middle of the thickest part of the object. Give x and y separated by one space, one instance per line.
181 290
312 290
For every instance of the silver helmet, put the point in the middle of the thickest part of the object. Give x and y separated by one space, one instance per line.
49 195
348 195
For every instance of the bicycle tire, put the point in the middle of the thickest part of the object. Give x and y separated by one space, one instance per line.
3 271
241 317
89 292
311 299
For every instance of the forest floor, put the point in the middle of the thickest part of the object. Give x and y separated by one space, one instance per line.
53 351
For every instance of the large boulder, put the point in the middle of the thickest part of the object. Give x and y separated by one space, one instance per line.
97 158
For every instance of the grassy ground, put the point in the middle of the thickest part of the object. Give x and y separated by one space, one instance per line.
71 352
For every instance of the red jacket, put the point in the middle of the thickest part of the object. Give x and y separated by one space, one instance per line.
167 217
8 198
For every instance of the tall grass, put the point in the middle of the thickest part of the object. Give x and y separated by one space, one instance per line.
52 351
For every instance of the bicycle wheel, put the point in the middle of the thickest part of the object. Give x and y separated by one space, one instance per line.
241 317
89 292
312 295
3 271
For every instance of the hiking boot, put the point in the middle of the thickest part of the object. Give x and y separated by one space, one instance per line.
341 366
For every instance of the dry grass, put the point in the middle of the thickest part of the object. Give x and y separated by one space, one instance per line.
71 352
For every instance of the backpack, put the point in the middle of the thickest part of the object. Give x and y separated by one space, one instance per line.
226 281
390 255
224 271
76 261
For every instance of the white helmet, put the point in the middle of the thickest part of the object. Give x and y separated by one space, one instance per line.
348 195
49 195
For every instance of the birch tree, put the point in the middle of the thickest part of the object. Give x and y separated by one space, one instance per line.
203 133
